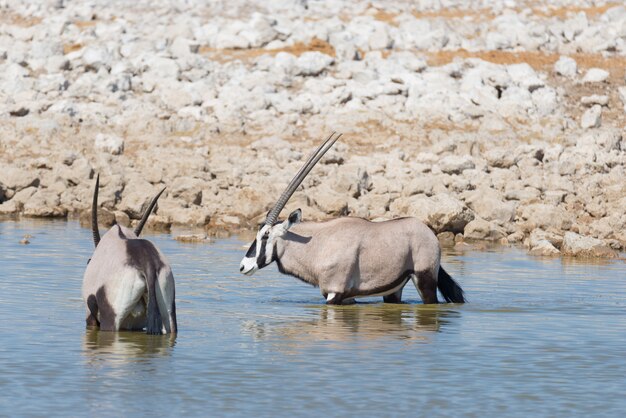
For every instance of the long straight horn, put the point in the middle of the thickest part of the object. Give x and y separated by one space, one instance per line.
94 214
147 213
272 216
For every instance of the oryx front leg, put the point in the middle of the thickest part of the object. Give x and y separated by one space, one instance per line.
333 298
337 299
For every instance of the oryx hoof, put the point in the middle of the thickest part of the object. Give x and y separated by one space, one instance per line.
333 298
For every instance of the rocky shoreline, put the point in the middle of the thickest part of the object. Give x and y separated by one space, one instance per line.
503 123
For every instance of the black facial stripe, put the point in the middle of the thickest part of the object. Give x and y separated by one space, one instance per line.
252 250
260 261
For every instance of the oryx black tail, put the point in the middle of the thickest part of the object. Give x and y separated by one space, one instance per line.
155 321
450 290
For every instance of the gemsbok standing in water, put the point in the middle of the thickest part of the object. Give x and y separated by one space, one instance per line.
128 284
350 258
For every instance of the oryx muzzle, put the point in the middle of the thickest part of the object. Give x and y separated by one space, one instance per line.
349 258
128 283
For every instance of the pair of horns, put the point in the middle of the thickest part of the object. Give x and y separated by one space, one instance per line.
272 215
94 213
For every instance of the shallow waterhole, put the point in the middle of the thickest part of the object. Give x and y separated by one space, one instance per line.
538 336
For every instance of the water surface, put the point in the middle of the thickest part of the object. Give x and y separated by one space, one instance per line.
540 337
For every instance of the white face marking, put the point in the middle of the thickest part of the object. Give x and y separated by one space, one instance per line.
250 262
248 266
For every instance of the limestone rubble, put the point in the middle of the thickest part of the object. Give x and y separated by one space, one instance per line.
494 119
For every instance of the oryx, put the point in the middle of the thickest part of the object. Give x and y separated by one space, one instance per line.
128 283
349 258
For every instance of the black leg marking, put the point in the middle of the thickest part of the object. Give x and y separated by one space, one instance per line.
427 285
107 315
173 323
336 300
92 318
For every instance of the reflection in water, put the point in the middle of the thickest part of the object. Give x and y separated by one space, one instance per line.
125 347
360 322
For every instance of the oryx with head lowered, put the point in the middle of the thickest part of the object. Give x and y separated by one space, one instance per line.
350 258
128 284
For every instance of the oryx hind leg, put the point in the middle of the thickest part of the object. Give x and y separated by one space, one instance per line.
395 297
102 310
426 284
127 301
92 312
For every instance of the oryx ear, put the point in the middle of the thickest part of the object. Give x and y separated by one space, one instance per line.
294 218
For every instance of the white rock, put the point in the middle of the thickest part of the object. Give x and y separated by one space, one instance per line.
16 178
57 63
595 75
285 62
408 60
379 38
441 212
329 201
566 66
489 204
231 41
259 31
272 143
44 203
537 235
484 230
501 157
546 216
545 100
187 189
136 197
524 76
312 63
595 99
543 248
592 118
45 49
160 67
97 57
582 246
455 164
109 143
182 47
